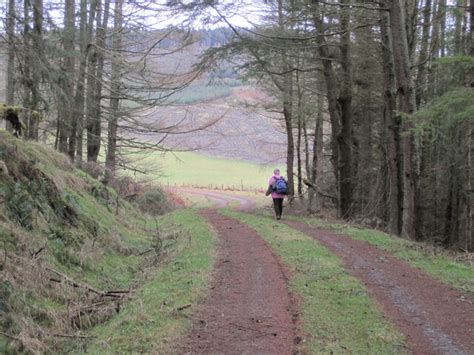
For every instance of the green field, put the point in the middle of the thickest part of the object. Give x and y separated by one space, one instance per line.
192 169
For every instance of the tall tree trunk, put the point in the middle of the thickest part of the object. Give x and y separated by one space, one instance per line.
94 119
65 117
456 186
435 46
471 36
464 31
27 61
290 148
298 151
91 97
411 24
78 106
423 57
86 38
92 140
306 150
345 102
392 127
10 85
470 159
442 15
287 109
458 16
301 129
38 67
406 96
449 204
317 154
331 95
469 191
111 157
426 214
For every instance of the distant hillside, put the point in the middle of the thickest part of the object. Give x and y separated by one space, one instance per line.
177 52
243 130
204 38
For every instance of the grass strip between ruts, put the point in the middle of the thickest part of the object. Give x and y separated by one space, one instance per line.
432 260
337 315
152 321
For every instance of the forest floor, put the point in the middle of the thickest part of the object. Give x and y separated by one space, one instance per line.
252 308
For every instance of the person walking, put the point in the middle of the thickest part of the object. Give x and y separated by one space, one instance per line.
278 188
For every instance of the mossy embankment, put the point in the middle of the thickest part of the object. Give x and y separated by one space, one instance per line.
73 254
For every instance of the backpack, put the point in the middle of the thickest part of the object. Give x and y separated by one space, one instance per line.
280 186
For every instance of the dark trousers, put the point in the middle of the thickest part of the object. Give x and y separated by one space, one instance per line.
278 204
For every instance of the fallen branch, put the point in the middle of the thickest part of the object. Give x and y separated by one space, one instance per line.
10 336
77 336
39 251
118 292
183 307
176 311
316 188
73 283
146 251
83 317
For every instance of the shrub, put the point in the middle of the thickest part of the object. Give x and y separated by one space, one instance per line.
154 202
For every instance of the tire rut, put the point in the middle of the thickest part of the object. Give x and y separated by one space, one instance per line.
249 309
435 318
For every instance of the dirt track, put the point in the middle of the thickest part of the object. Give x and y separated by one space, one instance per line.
434 318
220 199
249 309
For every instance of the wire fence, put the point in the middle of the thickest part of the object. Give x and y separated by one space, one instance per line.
219 187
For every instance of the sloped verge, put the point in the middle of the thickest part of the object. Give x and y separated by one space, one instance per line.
72 252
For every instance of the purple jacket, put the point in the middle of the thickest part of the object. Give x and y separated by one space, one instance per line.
271 181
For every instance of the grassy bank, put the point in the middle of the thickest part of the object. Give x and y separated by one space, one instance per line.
72 250
336 311
437 262
154 319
